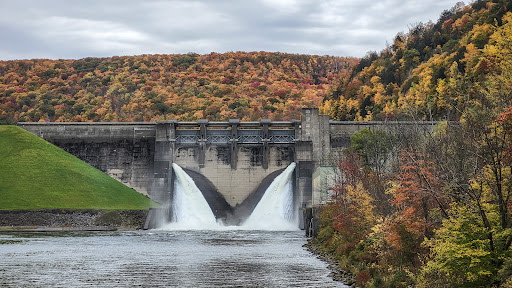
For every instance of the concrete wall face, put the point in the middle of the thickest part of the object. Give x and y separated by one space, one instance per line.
124 152
340 132
235 184
324 179
141 155
129 162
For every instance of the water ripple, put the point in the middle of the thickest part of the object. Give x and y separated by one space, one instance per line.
161 259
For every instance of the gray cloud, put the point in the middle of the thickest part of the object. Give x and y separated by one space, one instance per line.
76 29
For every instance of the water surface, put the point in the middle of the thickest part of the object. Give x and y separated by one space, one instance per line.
232 258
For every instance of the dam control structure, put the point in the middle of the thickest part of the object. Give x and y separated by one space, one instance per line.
231 162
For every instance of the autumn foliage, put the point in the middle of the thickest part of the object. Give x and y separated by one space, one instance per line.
432 71
449 193
445 217
410 208
248 86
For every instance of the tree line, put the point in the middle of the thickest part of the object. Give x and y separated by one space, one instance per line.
431 72
186 87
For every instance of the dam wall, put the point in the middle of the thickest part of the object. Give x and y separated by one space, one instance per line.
233 158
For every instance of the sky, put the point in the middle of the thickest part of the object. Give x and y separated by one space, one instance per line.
64 29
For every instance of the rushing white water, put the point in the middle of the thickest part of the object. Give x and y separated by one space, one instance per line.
190 211
275 211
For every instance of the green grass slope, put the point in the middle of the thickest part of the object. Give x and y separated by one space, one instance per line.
35 174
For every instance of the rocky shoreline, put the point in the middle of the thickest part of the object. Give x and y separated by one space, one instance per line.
336 273
71 220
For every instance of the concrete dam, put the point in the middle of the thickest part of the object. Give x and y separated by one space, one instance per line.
232 163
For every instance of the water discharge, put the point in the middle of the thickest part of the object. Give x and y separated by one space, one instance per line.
190 211
274 212
217 256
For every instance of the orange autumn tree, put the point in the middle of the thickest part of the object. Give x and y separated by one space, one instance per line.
416 196
351 212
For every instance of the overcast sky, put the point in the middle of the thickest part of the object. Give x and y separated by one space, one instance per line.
65 29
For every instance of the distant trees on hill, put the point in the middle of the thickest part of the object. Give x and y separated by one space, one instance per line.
432 71
249 86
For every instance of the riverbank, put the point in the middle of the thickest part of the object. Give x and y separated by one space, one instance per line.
71 220
311 216
337 273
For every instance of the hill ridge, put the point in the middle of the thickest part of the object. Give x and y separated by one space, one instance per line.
187 87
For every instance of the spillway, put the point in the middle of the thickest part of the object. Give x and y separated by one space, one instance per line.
275 211
189 209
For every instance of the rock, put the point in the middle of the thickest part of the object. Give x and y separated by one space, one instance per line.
337 273
125 219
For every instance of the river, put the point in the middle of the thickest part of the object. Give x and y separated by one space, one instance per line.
160 258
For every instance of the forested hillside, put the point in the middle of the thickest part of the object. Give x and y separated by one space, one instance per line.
248 86
415 208
435 70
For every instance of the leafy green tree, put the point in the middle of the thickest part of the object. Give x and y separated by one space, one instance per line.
461 251
374 147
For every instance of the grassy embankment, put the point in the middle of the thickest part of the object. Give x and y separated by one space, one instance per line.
35 174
